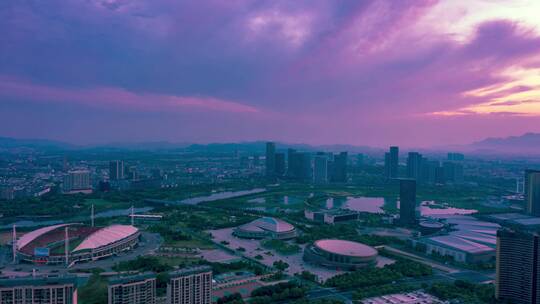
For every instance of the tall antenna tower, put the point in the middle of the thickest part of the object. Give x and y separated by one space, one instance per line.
92 217
67 245
14 243
132 216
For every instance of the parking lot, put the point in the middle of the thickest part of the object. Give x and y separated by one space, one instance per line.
295 261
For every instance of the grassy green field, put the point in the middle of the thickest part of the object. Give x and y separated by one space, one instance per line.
191 244
281 247
102 204
176 261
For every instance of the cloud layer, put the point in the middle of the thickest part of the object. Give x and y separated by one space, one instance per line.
358 72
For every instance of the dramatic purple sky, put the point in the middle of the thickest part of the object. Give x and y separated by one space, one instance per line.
413 73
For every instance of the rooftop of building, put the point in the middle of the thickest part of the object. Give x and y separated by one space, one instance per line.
39 280
131 278
519 219
477 237
415 297
431 224
268 224
27 238
106 236
79 171
335 212
346 248
189 271
89 237
459 243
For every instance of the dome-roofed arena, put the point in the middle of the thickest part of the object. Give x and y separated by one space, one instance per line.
48 245
340 254
266 227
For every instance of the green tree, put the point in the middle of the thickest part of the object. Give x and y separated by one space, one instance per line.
280 265
95 291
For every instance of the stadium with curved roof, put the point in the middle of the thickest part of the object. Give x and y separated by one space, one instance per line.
48 245
340 254
266 227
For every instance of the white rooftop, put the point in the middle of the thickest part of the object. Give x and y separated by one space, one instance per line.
417 297
268 224
347 248
30 236
106 236
461 244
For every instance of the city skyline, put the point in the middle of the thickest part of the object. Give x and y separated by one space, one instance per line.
254 152
374 73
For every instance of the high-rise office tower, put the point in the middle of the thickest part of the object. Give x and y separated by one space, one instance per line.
293 163
270 159
131 172
439 174
453 172
339 168
456 156
391 162
431 171
320 169
414 165
518 264
136 289
387 164
306 171
407 201
300 166
116 170
66 163
290 161
532 192
424 170
280 164
256 160
77 180
7 193
42 290
190 286
360 160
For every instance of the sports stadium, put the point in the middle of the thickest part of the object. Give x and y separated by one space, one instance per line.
340 254
48 245
266 227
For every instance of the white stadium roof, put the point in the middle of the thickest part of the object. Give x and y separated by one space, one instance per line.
30 236
346 248
268 224
106 236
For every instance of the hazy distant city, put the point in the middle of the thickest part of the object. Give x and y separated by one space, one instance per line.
266 222
288 152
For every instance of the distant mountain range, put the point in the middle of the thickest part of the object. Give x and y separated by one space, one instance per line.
528 143
8 143
253 147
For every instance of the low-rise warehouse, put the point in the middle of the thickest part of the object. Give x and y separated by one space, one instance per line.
459 248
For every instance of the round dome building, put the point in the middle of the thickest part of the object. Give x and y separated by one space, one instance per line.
340 254
266 227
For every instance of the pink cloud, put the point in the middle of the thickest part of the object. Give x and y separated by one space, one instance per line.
356 72
117 97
